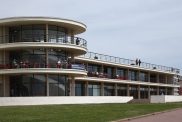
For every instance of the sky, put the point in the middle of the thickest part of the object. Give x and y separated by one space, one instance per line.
150 30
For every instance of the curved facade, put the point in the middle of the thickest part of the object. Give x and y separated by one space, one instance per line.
42 56
37 56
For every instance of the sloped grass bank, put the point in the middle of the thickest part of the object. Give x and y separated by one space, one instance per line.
79 113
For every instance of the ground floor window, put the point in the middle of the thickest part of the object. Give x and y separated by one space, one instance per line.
58 85
27 85
80 89
94 89
122 90
134 91
143 92
108 89
153 90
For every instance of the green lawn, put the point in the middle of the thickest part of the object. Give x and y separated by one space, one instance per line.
79 113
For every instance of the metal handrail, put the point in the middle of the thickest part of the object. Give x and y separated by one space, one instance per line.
18 65
118 60
49 38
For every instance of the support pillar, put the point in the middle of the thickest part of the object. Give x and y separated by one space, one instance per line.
72 38
47 33
157 77
148 76
72 88
102 88
86 88
138 91
4 86
157 90
116 89
47 85
148 92
166 91
128 90
166 79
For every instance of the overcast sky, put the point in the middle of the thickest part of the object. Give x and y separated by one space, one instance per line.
147 29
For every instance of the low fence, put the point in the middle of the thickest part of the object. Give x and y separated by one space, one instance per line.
165 98
14 101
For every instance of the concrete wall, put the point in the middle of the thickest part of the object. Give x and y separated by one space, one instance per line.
165 98
13 101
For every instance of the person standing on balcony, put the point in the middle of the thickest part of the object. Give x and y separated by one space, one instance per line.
139 62
136 61
59 64
77 41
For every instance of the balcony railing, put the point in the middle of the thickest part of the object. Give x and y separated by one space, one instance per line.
117 60
15 65
50 38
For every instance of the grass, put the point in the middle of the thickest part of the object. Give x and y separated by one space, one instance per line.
79 113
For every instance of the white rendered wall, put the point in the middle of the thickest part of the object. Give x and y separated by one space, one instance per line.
13 101
165 98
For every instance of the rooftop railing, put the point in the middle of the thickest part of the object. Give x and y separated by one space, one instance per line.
117 60
50 38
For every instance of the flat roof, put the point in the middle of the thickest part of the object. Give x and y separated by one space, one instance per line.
74 26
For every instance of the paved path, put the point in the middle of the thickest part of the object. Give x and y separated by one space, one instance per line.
172 116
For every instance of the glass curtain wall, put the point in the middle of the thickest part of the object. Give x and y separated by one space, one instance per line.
153 90
37 33
28 58
143 92
108 71
122 90
58 85
108 89
94 70
133 75
27 33
57 57
143 76
27 85
121 74
80 88
134 91
56 34
94 89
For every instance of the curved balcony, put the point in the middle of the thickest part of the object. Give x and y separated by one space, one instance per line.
74 45
41 68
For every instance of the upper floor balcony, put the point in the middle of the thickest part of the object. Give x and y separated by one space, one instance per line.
91 56
75 45
25 67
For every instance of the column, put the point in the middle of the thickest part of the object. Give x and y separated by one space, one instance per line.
165 90
166 79
4 86
116 89
47 33
138 91
102 88
72 38
86 88
72 88
157 90
127 74
47 85
128 90
138 75
148 76
148 92
115 72
157 77
86 66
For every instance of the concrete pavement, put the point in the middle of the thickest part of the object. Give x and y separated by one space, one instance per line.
171 116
